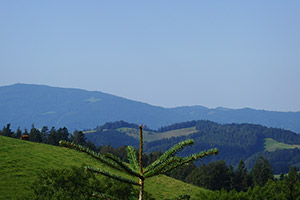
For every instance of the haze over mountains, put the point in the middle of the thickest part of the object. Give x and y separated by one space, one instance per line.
26 104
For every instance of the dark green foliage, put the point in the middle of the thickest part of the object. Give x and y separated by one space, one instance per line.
6 131
117 189
72 183
54 136
35 135
293 184
91 145
213 176
234 141
280 160
286 189
79 138
113 138
76 183
18 133
45 130
181 173
151 157
237 142
119 152
241 177
217 175
261 172
181 197
116 125
178 126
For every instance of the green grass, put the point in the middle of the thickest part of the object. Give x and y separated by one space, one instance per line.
168 188
21 161
272 145
150 136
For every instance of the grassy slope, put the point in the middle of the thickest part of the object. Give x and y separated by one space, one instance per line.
21 161
273 145
149 136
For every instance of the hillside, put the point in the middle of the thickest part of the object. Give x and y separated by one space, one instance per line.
235 141
21 161
24 104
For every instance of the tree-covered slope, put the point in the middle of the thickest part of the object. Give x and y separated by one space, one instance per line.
241 142
24 104
21 162
235 141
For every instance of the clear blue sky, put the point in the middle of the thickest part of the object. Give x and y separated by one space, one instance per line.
168 53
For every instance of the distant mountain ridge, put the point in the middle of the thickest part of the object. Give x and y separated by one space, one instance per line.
26 104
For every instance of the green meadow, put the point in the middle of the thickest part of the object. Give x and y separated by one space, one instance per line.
22 161
272 145
152 136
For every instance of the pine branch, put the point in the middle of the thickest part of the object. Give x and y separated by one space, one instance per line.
176 148
191 158
105 173
132 158
121 164
200 155
175 162
170 162
91 153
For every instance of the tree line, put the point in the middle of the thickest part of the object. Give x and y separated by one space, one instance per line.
45 135
241 183
285 188
217 175
53 136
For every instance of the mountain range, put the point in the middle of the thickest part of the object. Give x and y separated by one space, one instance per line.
22 105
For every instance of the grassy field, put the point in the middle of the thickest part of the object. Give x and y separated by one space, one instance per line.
21 161
273 145
150 136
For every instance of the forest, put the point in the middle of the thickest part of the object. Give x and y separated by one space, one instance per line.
236 142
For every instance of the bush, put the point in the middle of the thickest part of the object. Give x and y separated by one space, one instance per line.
76 183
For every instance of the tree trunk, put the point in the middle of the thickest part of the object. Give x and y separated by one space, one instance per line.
140 165
141 194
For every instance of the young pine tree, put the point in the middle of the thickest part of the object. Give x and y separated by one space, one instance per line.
165 163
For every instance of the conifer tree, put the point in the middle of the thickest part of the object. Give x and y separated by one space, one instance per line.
261 172
241 182
165 163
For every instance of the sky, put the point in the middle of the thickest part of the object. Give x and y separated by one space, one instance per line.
170 53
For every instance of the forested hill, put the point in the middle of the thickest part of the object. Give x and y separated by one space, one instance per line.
24 104
235 141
